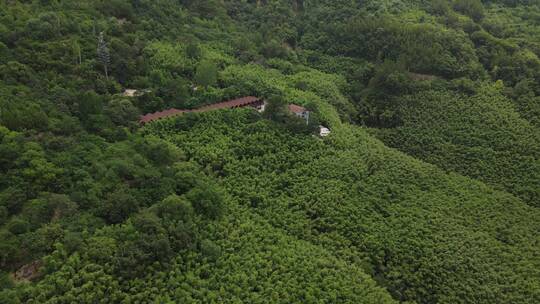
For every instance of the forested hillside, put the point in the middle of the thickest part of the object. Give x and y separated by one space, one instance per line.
426 191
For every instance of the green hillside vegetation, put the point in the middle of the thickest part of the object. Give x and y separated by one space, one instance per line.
403 221
426 191
481 136
246 260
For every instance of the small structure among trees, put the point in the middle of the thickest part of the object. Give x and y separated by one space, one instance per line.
299 111
324 131
130 93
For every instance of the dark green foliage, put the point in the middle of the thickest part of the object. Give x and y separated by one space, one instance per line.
471 8
390 81
174 208
425 48
89 103
240 207
122 112
11 249
276 109
206 74
175 92
18 226
193 51
5 282
158 151
211 250
116 8
46 207
119 205
440 7
273 49
206 200
3 215
22 116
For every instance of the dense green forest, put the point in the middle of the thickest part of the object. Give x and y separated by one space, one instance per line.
426 191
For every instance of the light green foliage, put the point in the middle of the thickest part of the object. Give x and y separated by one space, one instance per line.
255 79
400 219
170 57
40 172
74 281
235 206
481 136
175 57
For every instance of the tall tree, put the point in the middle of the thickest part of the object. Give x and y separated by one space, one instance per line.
103 54
77 52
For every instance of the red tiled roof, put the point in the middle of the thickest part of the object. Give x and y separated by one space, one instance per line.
235 103
157 115
296 108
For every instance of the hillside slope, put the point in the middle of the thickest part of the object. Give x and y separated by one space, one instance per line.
426 191
480 136
248 261
405 222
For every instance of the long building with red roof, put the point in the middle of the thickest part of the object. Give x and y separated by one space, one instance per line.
248 101
162 114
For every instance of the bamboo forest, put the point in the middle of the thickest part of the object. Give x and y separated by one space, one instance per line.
270 151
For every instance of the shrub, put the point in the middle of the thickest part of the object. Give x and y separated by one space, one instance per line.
207 200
